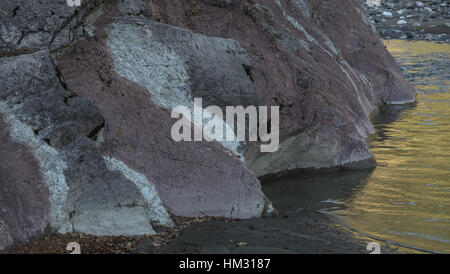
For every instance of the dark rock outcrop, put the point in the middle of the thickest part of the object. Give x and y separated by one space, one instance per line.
86 94
36 25
314 59
58 127
192 178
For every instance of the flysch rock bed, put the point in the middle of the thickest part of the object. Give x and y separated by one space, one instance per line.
418 20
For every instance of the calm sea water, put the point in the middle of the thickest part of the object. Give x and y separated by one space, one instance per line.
406 199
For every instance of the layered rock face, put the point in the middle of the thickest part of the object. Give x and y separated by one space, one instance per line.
86 94
320 61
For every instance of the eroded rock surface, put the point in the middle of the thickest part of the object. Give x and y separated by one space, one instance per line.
36 25
24 203
86 94
83 192
192 178
314 59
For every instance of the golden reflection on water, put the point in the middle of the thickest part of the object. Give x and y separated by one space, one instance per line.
400 48
407 197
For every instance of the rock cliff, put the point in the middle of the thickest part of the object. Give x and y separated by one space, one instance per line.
86 94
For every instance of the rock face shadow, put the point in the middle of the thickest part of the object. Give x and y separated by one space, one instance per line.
312 192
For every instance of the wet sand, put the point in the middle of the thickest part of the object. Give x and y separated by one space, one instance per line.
285 234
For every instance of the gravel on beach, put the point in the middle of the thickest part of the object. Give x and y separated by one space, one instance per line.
418 20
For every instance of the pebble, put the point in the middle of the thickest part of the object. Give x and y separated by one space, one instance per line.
387 14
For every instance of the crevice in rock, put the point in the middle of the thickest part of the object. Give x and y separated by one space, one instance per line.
64 24
60 76
17 52
93 135
22 35
69 20
63 83
47 141
16 9
248 70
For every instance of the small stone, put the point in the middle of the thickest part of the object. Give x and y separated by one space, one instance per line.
387 14
154 244
242 244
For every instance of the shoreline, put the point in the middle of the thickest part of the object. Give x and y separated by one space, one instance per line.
306 231
411 20
302 231
299 233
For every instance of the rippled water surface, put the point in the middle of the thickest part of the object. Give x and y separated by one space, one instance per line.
406 199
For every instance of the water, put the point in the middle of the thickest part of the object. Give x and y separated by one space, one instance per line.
406 199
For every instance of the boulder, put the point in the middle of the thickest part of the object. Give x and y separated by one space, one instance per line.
314 59
143 81
66 183
93 170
